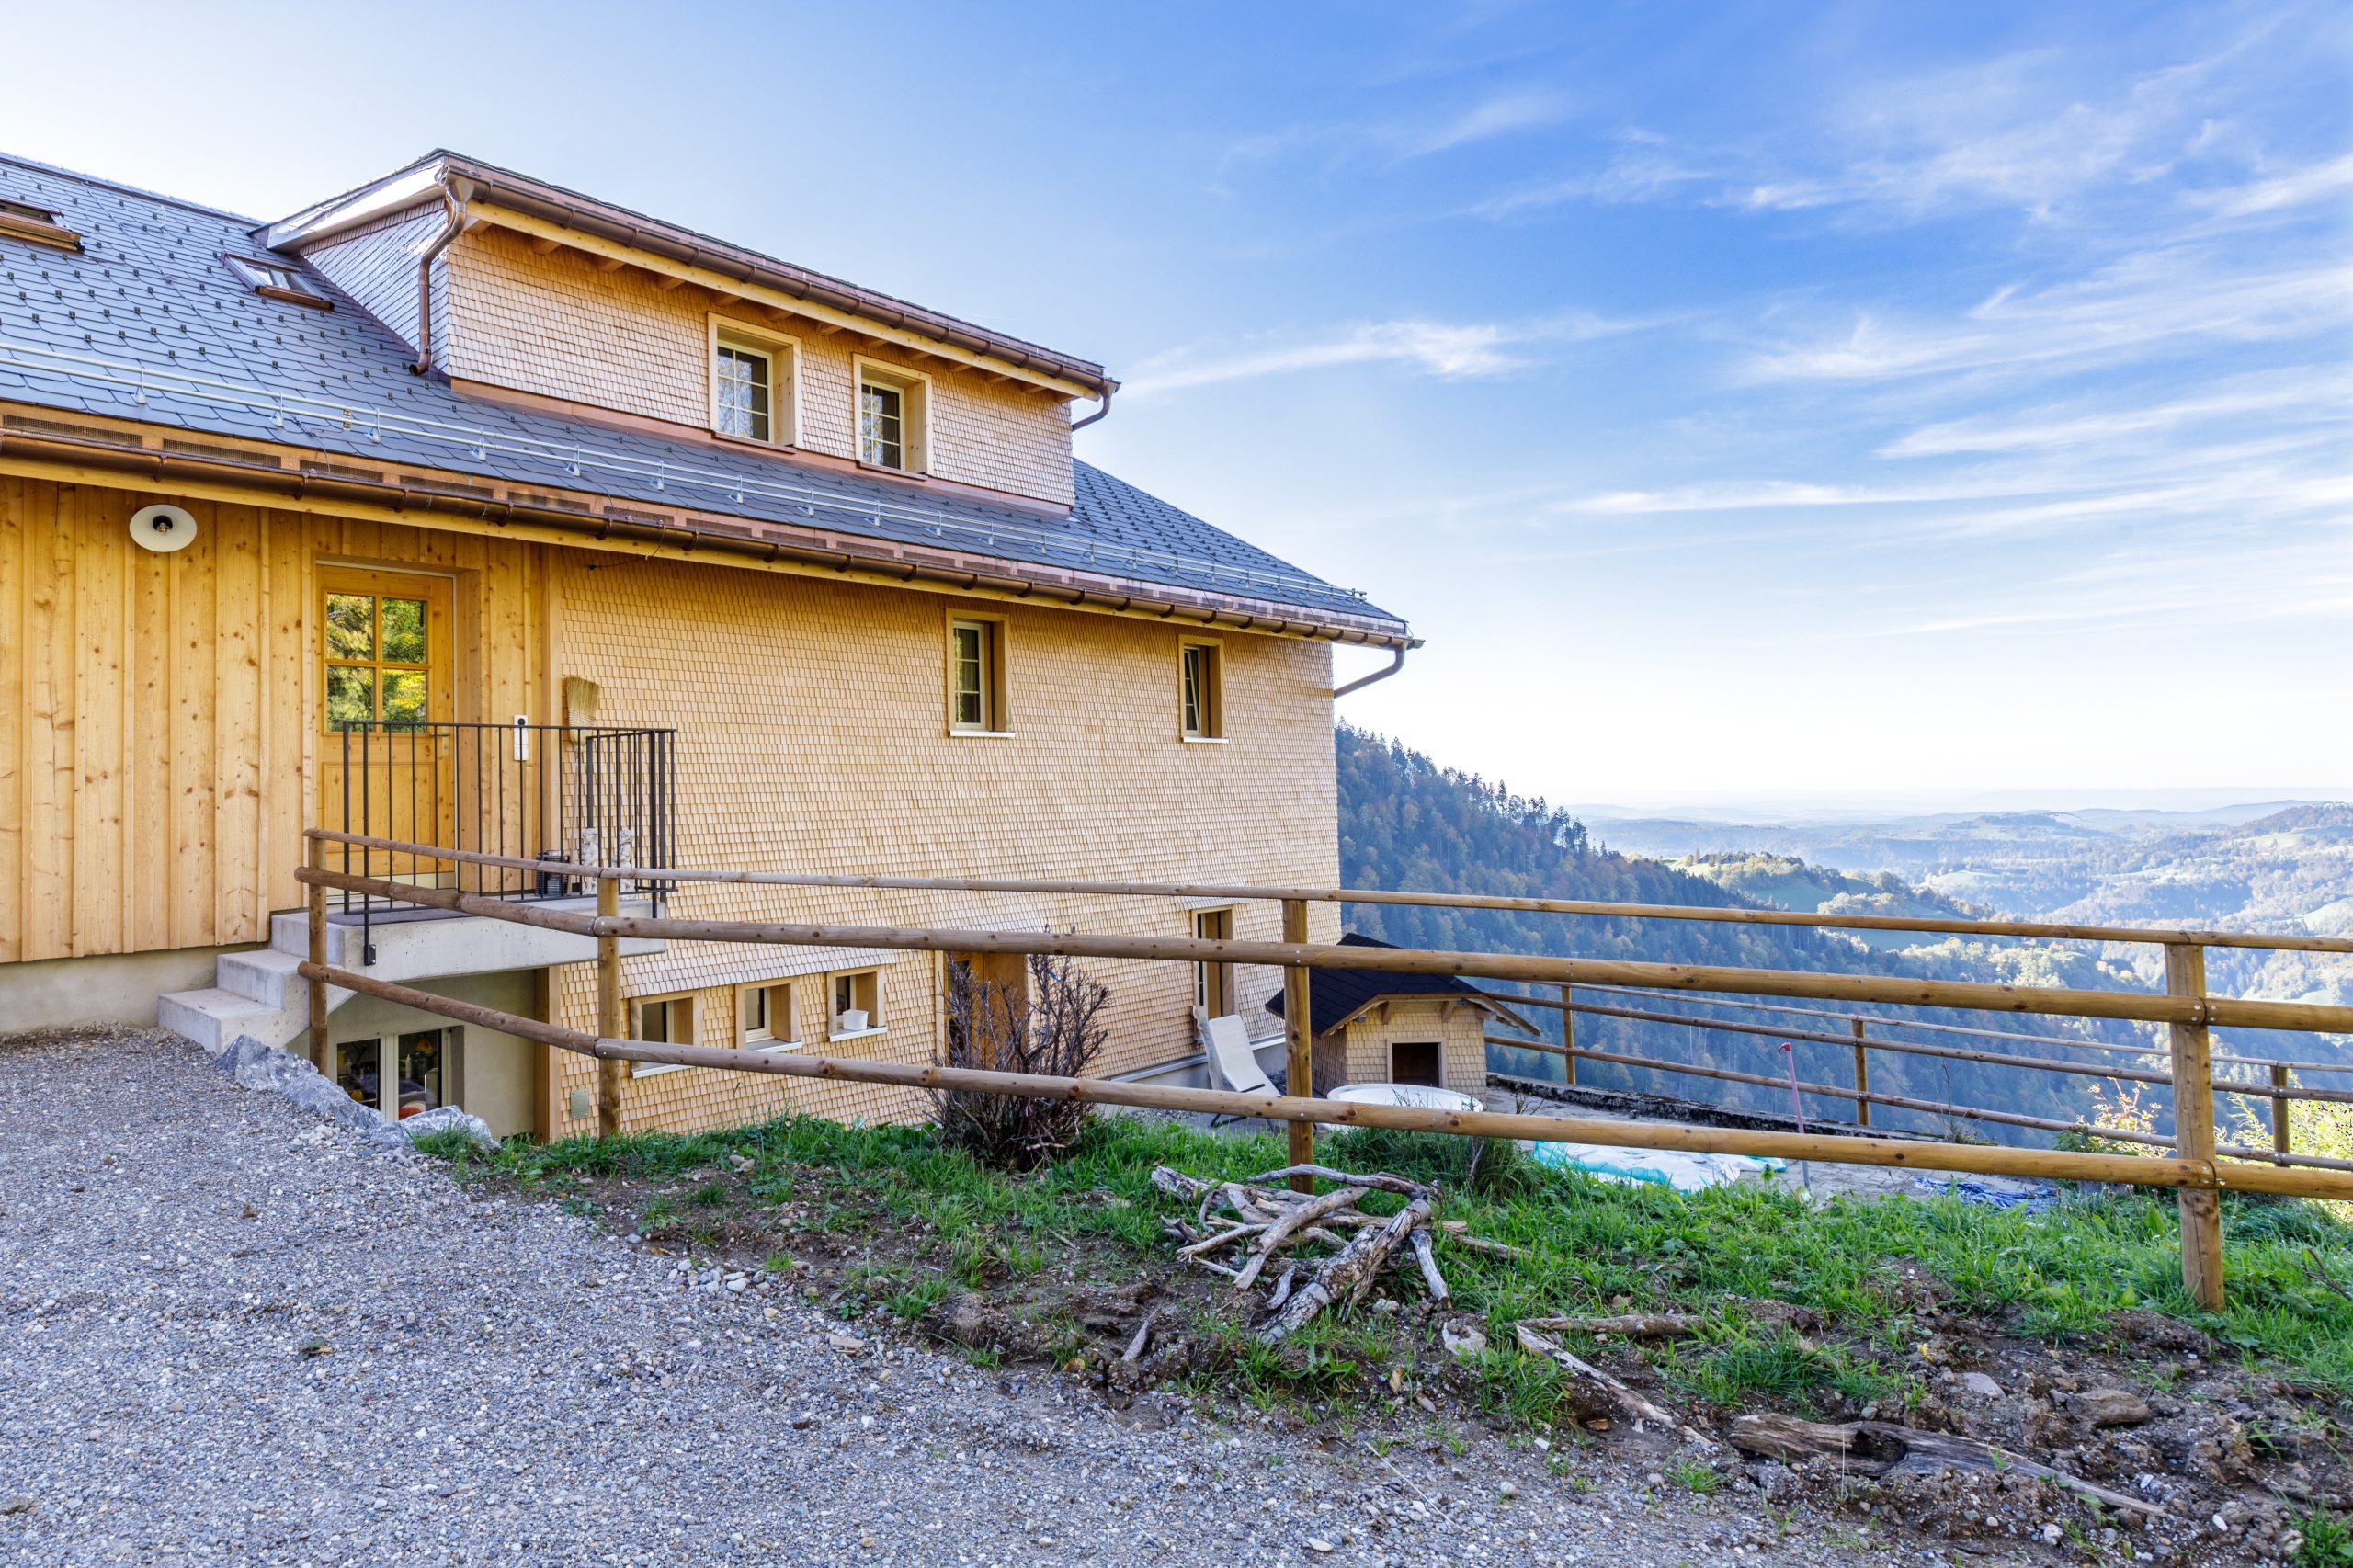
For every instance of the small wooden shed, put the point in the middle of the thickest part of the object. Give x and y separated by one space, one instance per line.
1375 1026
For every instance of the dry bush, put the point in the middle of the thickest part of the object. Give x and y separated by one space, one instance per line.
1050 1029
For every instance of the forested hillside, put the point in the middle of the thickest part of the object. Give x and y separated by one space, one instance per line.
1407 822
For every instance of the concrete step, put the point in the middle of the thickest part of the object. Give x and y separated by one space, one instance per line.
213 1018
265 974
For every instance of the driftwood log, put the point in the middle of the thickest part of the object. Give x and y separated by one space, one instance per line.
1301 1216
1880 1448
1347 1278
1625 1325
1611 1392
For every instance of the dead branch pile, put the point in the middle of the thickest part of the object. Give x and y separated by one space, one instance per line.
1263 1230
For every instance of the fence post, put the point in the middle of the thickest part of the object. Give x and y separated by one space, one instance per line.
608 1010
322 1053
1568 1039
2279 1109
1299 1042
2193 1128
1862 1077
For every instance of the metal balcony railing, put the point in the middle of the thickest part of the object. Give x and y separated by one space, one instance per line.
563 797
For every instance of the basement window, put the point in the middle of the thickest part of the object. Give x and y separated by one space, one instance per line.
23 220
764 1017
857 1004
276 281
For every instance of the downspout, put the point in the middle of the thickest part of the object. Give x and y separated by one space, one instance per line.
454 195
1396 663
1082 424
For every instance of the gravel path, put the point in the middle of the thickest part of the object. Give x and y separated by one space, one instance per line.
231 1334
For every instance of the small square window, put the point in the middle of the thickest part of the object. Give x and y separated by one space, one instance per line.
976 678
766 1013
1201 698
856 1003
665 1020
891 419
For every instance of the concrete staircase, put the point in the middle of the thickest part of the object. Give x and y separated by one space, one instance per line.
257 992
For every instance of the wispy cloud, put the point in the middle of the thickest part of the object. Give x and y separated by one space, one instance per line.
2301 395
2147 302
1450 351
1402 137
2297 187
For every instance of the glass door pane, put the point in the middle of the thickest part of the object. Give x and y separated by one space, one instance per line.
359 1073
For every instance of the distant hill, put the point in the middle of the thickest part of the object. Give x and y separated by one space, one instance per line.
1408 823
1784 881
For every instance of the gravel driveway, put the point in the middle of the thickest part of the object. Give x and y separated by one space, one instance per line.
231 1334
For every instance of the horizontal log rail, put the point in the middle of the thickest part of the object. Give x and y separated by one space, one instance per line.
1952 1053
1968 1159
1902 1102
2017 1035
2194 1163
1970 996
2283 942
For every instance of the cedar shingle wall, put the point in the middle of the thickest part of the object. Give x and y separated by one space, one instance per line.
811 720
557 326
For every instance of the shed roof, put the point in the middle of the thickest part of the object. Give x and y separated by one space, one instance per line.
1335 996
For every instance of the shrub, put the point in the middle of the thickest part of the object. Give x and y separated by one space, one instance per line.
1051 1029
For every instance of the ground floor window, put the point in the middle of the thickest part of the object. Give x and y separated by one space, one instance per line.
856 1003
1214 982
423 1074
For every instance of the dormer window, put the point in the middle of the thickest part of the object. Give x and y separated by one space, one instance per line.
23 220
275 280
751 375
893 413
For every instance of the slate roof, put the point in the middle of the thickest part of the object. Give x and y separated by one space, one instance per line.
146 322
1333 994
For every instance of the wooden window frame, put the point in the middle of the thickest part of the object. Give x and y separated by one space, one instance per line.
437 591
31 221
1212 980
996 690
1209 726
666 1000
778 994
913 388
876 1023
783 352
263 279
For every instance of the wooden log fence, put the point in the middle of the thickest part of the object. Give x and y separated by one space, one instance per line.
2194 1168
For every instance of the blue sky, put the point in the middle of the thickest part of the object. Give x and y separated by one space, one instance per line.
1747 403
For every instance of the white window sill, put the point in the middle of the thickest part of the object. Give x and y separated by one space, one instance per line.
982 735
858 1034
770 1047
1202 740
655 1069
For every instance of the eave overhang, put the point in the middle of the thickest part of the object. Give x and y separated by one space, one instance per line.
37 442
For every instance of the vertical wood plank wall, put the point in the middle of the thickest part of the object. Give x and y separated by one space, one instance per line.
158 747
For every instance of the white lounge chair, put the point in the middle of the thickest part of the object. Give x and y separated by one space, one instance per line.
1232 1060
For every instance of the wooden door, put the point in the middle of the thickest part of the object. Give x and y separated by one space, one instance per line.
387 695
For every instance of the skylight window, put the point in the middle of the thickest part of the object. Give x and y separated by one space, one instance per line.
275 280
23 220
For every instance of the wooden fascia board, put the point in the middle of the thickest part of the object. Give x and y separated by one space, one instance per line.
612 251
136 466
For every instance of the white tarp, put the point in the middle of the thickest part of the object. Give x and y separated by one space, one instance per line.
1665 1168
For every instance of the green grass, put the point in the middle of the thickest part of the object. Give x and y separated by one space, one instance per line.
2052 1276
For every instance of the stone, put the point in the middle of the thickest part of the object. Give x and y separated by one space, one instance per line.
2110 1407
1462 1339
448 1119
1980 1385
